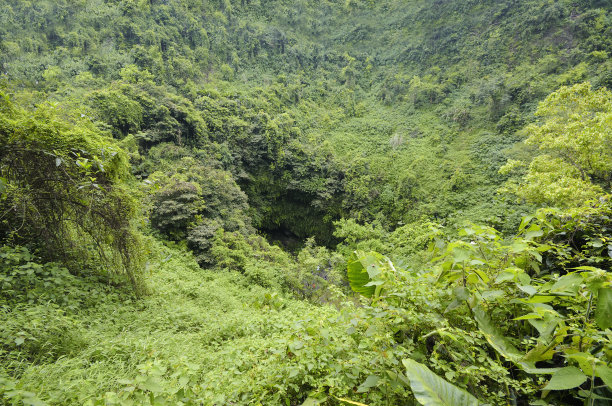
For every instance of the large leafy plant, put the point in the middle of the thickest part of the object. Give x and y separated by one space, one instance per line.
544 322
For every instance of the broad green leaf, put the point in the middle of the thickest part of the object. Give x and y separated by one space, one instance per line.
505 277
530 290
33 402
539 299
494 336
567 284
460 251
596 280
503 346
523 278
453 305
529 316
296 345
490 295
605 373
483 276
431 390
524 222
566 378
518 247
530 368
370 382
603 312
374 283
461 254
152 384
461 293
597 243
585 361
540 352
547 324
311 402
585 394
514 274
533 232
358 276
588 268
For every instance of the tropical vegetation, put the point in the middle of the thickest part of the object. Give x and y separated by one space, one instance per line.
305 203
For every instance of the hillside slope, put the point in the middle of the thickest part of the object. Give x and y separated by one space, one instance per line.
417 101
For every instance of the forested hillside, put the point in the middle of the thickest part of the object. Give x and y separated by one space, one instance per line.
305 203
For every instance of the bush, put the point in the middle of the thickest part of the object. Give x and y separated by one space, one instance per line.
175 208
38 334
23 279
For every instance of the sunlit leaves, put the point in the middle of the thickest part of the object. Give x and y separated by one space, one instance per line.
605 373
366 273
603 312
574 139
431 390
566 378
495 337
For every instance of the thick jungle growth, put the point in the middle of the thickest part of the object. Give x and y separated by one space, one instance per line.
62 192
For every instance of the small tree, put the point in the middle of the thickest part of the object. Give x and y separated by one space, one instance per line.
574 139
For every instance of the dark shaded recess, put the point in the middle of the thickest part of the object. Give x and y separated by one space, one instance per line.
584 245
285 238
289 217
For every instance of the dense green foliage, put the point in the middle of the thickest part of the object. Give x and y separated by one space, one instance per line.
305 203
62 190
576 144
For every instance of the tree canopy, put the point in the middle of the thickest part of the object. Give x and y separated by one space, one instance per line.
573 137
